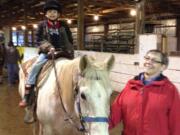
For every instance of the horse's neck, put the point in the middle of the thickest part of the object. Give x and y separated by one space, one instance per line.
69 70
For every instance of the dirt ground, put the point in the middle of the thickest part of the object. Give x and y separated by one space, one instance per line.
11 116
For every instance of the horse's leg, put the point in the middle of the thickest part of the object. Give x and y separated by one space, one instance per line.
40 129
36 128
47 130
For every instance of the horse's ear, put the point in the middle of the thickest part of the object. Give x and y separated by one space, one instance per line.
110 62
84 62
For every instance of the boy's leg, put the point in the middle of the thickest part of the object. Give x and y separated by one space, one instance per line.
42 59
29 87
10 73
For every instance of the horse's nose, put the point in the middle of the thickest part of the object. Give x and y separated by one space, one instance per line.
83 96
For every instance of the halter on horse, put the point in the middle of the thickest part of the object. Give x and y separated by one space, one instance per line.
84 91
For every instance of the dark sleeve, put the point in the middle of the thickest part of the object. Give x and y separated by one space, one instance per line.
18 55
68 31
174 111
115 111
39 33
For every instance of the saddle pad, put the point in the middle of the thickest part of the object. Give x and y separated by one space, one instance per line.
26 67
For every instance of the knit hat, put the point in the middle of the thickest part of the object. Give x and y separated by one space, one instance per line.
52 4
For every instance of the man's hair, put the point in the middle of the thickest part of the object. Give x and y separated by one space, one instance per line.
164 56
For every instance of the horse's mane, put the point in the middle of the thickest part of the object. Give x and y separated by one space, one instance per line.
94 72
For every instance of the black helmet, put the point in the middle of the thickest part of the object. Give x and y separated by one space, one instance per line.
52 4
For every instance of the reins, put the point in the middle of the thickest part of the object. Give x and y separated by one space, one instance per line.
69 118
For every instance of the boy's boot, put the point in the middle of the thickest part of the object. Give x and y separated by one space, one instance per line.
29 89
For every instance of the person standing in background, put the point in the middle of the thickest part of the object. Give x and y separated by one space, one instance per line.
150 103
11 60
2 50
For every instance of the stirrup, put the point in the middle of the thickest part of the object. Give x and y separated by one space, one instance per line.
29 117
28 93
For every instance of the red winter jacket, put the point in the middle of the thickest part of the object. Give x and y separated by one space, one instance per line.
152 109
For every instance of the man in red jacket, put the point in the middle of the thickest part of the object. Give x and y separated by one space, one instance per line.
149 104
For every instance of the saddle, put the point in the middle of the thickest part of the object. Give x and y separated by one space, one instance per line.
44 72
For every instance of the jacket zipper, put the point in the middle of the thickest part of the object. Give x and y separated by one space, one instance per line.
142 108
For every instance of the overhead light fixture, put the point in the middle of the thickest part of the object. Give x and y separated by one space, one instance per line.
96 17
23 27
35 26
69 21
133 12
14 28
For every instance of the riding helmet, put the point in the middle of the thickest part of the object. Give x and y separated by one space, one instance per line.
52 4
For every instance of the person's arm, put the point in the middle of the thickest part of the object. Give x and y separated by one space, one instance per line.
174 113
115 111
68 39
68 31
18 55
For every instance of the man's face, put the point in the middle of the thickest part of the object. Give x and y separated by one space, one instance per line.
153 64
52 14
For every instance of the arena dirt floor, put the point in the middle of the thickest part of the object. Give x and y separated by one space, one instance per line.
11 116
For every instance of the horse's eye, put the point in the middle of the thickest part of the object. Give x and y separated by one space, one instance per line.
83 96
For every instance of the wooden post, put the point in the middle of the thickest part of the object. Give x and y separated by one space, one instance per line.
80 32
178 33
25 24
139 25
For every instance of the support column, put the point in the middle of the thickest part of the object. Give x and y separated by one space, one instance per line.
25 24
139 24
178 33
80 32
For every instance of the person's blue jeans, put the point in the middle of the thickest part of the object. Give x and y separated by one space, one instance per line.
41 60
12 70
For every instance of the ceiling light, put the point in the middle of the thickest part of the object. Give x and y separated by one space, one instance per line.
23 27
35 26
133 12
69 21
96 17
14 28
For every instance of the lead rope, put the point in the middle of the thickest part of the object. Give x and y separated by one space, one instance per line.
69 118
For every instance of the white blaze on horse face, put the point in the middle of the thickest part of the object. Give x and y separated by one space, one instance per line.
96 104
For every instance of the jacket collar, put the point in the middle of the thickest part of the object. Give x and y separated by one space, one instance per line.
137 83
53 24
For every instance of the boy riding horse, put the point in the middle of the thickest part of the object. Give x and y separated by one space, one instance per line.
52 35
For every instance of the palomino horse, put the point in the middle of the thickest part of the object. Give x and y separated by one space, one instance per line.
78 97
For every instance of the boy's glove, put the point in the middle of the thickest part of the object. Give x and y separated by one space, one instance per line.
45 47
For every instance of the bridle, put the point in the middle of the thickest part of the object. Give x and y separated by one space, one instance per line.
69 118
86 119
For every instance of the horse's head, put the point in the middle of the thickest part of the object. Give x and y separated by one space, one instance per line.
94 90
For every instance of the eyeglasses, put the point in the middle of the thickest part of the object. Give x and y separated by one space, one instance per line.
147 58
